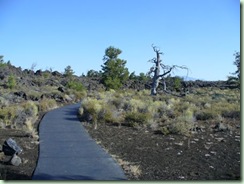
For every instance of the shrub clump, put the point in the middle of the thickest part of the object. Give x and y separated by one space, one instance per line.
16 116
47 104
162 113
11 82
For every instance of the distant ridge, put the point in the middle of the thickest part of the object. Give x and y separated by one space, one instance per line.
186 78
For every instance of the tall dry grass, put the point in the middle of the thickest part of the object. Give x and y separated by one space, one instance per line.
166 113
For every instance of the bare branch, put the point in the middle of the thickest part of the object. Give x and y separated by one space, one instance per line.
182 67
156 49
162 75
154 60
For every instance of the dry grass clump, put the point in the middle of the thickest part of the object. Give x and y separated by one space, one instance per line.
31 108
29 128
22 116
128 167
165 113
7 115
216 103
47 104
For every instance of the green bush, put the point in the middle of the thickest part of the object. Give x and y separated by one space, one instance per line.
77 86
177 83
11 82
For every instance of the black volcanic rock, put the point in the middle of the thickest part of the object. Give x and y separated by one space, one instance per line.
38 73
21 94
56 73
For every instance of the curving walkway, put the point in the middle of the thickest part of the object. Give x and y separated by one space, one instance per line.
67 152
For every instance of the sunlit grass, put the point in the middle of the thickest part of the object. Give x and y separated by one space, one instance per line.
167 113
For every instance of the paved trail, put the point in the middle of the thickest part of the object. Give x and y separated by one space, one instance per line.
67 152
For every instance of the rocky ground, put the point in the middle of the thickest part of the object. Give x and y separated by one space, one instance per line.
29 155
146 155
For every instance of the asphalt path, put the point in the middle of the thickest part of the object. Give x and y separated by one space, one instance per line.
67 152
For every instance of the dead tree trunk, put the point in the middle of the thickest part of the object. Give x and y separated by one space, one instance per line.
156 76
156 71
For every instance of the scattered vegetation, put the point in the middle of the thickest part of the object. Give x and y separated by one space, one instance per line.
164 113
24 94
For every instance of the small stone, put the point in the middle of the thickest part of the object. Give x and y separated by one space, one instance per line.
196 139
172 138
237 136
220 139
209 143
168 148
207 146
213 152
16 161
181 177
207 155
237 140
193 142
179 144
25 161
211 167
179 153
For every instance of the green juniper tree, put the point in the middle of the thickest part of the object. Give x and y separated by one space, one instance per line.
68 72
237 74
114 71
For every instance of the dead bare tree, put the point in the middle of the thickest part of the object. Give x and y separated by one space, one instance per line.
156 71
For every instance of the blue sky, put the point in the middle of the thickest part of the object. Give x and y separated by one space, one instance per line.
200 34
